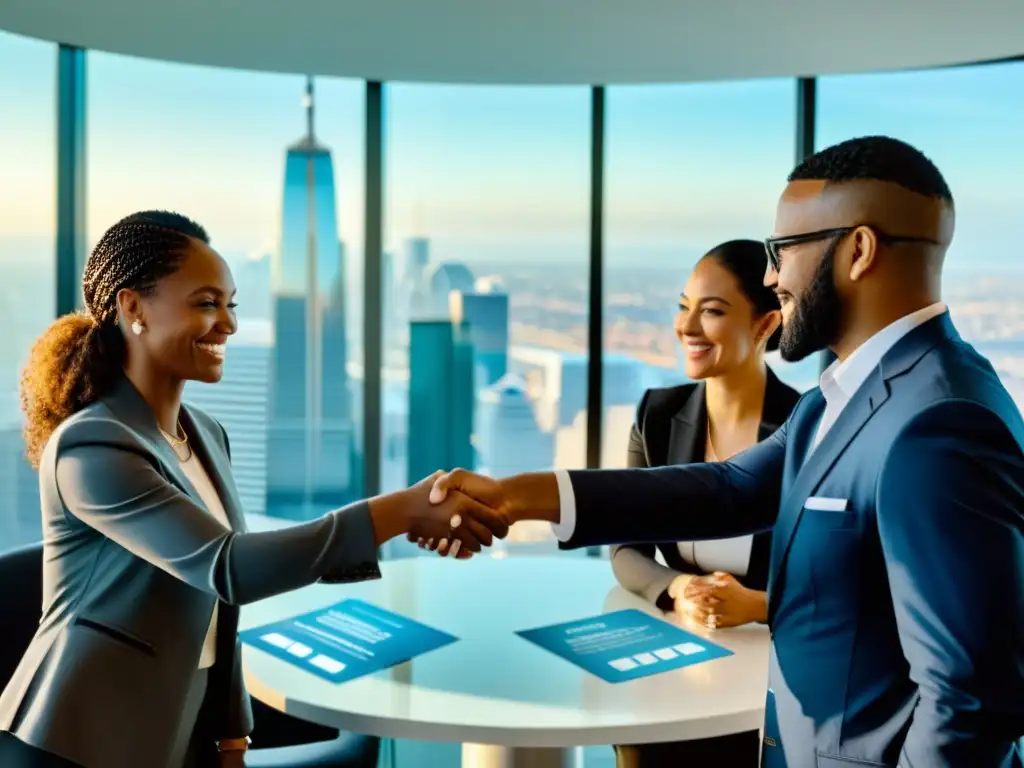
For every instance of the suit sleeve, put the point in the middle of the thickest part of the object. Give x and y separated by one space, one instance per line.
680 503
950 503
233 718
634 565
108 483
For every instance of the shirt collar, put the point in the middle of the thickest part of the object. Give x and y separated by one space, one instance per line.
842 379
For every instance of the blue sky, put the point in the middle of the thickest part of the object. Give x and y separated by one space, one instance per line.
490 172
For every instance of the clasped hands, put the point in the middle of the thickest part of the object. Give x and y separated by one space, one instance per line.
465 513
717 600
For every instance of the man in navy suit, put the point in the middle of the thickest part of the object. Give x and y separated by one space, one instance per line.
896 489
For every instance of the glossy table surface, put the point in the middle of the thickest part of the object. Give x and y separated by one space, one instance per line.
493 687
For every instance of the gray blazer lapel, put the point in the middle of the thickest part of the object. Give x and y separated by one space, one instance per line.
209 450
133 411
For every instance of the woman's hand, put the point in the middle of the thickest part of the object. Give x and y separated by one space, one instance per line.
458 516
676 589
719 600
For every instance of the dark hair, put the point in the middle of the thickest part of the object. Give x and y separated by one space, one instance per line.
747 261
79 357
875 158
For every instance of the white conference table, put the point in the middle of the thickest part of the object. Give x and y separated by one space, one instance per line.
507 701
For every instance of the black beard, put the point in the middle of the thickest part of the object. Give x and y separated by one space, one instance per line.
815 319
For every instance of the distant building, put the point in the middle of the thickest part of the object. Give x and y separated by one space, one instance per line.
558 382
239 402
413 291
252 279
390 300
487 317
571 441
440 398
394 414
416 259
508 440
444 279
310 441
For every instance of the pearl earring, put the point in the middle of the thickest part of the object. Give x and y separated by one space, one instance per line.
137 327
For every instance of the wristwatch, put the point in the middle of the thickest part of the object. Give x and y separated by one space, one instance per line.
234 745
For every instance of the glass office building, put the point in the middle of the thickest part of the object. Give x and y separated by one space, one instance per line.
440 432
486 314
310 437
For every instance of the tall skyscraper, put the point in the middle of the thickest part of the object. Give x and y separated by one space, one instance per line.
440 398
414 289
417 256
310 442
487 316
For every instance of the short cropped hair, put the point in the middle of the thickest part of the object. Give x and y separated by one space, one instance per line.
875 158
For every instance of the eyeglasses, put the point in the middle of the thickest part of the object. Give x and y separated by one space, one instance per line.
773 245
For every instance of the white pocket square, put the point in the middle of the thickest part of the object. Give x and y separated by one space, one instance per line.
826 504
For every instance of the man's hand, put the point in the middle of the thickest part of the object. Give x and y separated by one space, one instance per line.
232 759
532 496
486 490
719 600
465 489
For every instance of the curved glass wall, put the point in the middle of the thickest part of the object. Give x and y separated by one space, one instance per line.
28 234
486 258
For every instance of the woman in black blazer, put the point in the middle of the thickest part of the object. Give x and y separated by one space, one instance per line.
727 321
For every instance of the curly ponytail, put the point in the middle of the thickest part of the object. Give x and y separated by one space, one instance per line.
80 356
70 365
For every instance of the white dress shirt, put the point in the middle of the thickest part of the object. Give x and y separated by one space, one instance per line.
839 383
841 380
200 480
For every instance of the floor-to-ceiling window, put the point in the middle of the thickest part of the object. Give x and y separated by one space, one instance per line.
27 246
272 166
485 281
969 121
687 167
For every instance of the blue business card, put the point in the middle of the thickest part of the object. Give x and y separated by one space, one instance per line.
624 645
346 640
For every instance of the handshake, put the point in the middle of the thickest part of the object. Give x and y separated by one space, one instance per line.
458 513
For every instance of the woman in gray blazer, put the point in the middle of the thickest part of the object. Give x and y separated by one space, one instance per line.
136 662
727 320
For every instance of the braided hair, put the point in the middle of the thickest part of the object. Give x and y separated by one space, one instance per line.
80 356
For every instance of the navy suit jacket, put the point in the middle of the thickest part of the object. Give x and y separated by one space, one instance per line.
897 605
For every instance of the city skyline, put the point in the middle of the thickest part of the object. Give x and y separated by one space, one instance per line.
687 165
497 180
